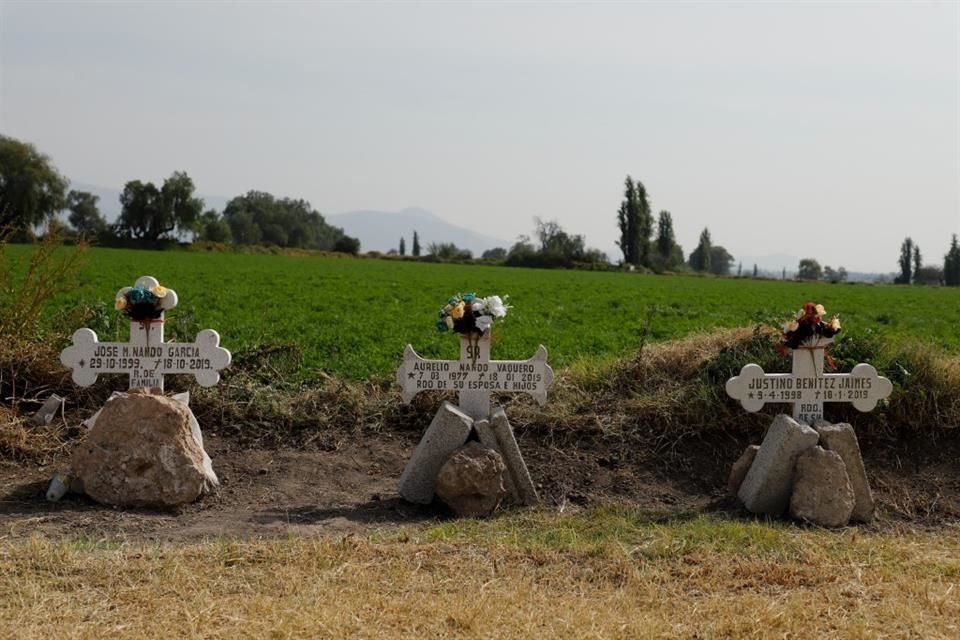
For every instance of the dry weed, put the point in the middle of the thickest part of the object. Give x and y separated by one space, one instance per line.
817 584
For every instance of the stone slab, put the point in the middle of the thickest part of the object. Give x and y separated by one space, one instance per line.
740 468
767 487
447 432
489 439
842 439
822 494
48 411
516 467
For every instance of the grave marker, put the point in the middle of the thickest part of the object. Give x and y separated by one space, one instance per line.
475 376
146 358
807 387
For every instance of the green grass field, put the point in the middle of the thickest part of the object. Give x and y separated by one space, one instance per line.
352 317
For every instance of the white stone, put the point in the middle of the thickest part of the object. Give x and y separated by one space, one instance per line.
510 451
807 387
48 411
146 358
769 483
448 432
474 376
842 439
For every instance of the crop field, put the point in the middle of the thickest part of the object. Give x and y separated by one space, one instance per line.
353 317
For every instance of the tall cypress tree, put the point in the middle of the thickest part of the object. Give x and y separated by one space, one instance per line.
700 258
644 227
906 259
627 217
951 264
416 245
403 246
665 237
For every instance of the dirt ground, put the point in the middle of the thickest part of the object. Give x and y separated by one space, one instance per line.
350 485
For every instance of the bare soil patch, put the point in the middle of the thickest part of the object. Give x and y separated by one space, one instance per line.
348 484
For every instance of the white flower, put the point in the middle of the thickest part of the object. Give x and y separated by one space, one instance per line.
495 306
790 327
484 322
477 306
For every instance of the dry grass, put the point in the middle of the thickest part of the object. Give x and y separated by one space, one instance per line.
663 395
603 575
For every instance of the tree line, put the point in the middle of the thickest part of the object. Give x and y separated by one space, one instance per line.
913 271
659 253
32 192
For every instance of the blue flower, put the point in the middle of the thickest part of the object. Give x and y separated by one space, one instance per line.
467 297
441 325
140 296
453 299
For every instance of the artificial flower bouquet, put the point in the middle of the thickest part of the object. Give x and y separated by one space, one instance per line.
141 304
810 328
467 313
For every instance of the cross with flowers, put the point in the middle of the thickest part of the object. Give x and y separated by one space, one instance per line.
146 357
474 376
807 387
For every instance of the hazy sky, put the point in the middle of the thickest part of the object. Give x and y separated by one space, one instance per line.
817 129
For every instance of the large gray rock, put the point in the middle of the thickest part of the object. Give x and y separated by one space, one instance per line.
822 493
740 469
144 450
516 467
842 439
766 488
470 482
448 431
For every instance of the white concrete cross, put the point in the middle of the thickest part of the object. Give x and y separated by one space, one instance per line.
474 376
808 387
146 357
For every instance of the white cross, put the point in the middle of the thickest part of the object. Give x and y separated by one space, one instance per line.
146 357
474 376
808 387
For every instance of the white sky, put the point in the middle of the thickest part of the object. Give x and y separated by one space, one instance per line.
814 129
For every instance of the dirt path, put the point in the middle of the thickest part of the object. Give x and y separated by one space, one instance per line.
271 492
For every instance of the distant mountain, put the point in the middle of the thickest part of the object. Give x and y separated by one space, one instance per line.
382 230
110 199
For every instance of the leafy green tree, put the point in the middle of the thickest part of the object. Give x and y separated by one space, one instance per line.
416 245
669 255
497 254
31 188
347 244
906 262
635 223
809 269
720 261
85 215
403 246
756 272
150 214
214 228
834 275
259 218
917 260
700 259
448 251
951 264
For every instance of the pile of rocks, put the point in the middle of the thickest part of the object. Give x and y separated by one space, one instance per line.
816 474
471 476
